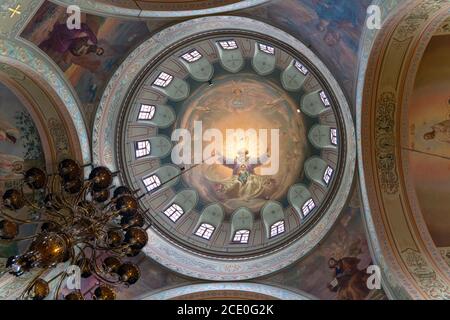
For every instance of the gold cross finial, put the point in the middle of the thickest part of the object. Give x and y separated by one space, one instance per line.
14 11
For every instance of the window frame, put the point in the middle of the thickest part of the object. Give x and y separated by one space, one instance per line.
328 175
149 114
230 44
301 68
178 212
207 229
190 58
308 207
156 182
276 227
324 97
334 136
163 80
241 236
267 49
147 148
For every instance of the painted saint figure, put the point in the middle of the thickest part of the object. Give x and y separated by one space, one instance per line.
75 46
350 283
78 42
334 16
11 167
441 132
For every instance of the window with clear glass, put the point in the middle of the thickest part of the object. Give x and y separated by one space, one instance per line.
147 112
325 99
228 45
308 207
205 231
143 148
277 228
327 175
241 236
151 183
174 212
266 49
192 56
334 139
300 67
163 80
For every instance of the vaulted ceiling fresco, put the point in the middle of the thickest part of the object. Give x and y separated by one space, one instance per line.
136 71
111 39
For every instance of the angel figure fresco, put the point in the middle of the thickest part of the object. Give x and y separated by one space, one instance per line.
440 132
73 46
8 133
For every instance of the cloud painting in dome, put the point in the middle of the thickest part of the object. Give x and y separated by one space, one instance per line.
332 27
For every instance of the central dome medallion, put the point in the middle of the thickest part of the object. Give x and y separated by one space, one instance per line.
235 142
240 146
253 104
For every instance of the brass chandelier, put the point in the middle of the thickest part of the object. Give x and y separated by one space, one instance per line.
82 222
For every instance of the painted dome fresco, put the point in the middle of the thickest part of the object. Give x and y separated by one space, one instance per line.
224 149
236 143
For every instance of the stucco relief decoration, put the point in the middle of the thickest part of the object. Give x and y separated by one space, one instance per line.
385 143
426 276
59 137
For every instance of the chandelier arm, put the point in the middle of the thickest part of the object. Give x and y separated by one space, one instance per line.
78 255
66 203
50 187
113 249
57 215
111 216
29 203
98 247
110 203
111 282
97 271
22 221
20 239
82 193
86 212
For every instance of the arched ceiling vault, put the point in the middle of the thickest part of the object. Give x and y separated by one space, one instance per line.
160 9
36 78
230 290
402 245
119 94
27 59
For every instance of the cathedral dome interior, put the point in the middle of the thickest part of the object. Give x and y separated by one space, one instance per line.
224 150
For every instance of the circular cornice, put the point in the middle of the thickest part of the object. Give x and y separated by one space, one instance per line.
210 95
221 290
133 11
401 242
161 249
